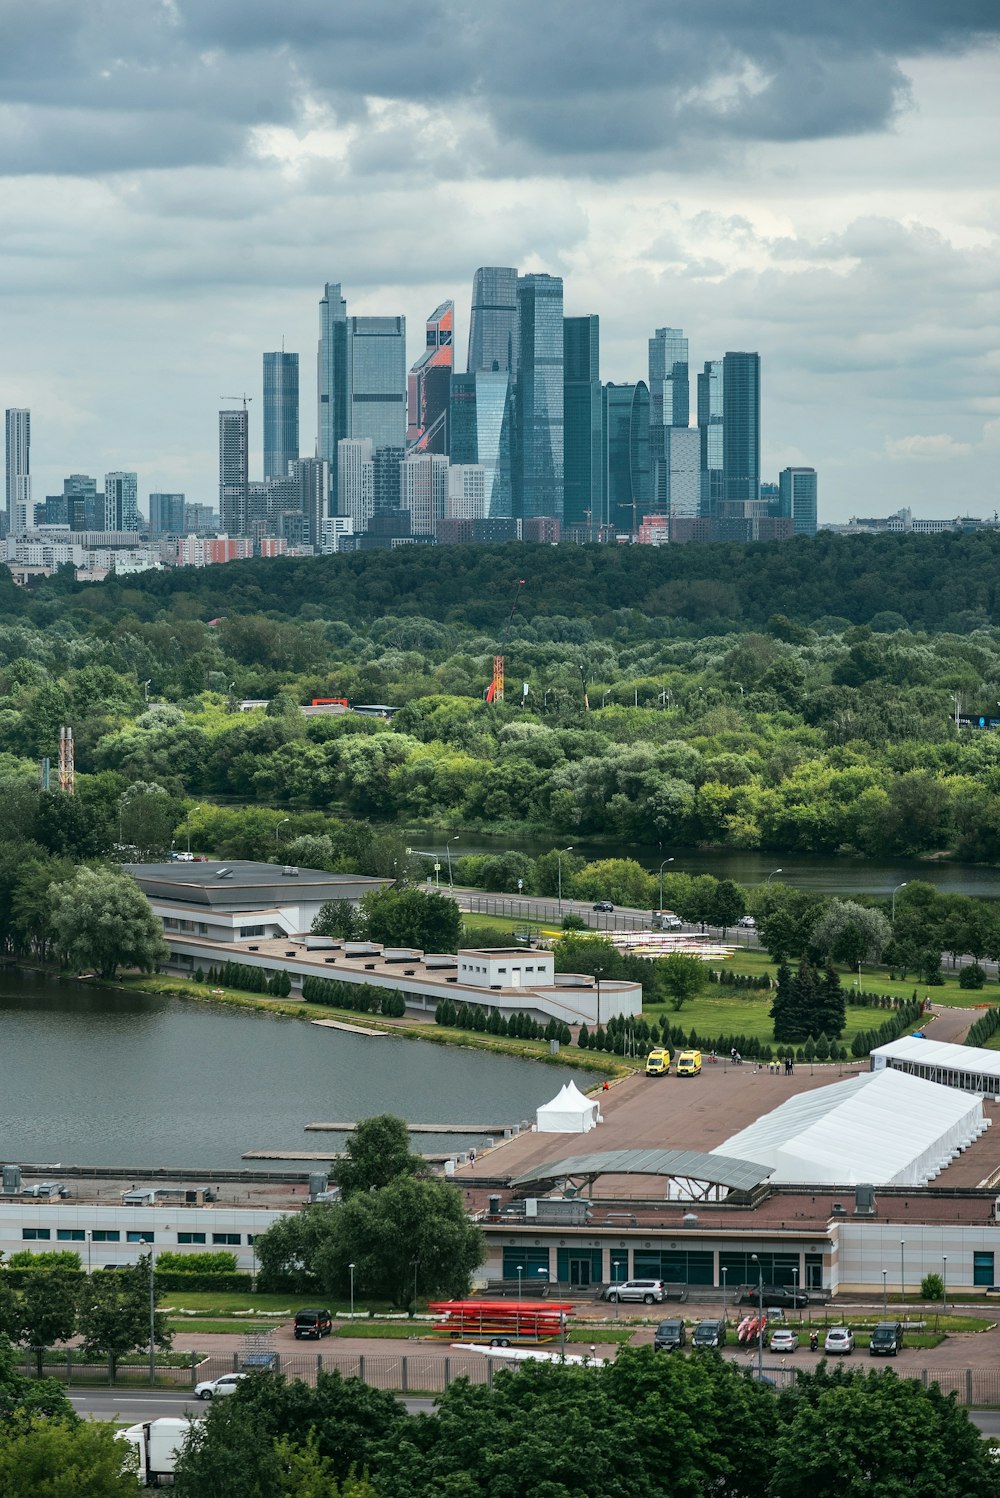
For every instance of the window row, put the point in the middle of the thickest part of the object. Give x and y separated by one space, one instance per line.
113 1235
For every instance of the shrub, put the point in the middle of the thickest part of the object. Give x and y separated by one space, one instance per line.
932 1287
972 976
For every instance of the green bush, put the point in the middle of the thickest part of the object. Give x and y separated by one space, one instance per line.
972 976
218 1262
49 1259
932 1287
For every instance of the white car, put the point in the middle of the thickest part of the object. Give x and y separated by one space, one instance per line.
839 1339
214 1387
783 1340
747 921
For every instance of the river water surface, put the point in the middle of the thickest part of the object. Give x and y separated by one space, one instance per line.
91 1076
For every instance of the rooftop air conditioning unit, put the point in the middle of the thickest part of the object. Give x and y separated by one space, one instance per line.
839 1210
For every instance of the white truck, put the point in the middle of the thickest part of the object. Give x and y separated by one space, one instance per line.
158 1444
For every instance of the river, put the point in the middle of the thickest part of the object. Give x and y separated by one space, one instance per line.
94 1076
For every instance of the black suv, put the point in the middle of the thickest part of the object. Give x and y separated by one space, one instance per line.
313 1324
669 1336
774 1295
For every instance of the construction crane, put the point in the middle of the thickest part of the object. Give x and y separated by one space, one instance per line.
244 398
495 691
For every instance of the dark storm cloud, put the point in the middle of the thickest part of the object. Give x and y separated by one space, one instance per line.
572 84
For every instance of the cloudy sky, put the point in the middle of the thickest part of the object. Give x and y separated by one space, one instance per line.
178 178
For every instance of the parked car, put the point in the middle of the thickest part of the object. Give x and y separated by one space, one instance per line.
604 905
648 1291
658 1062
709 1334
839 1339
214 1388
748 922
313 1324
783 1340
688 1063
669 1335
887 1339
774 1295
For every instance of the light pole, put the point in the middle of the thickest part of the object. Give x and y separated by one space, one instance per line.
145 689
767 881
351 1268
760 1317
885 1298
278 827
416 1264
89 1239
894 893
152 1319
447 849
520 1272
559 859
190 815
795 1283
618 1268
902 1269
725 1297
944 1284
662 867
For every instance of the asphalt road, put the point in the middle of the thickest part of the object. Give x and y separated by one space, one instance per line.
130 1406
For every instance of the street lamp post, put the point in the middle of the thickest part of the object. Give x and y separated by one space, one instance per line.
618 1269
725 1297
278 828
795 1283
760 1317
885 1297
520 1272
152 1319
770 876
559 859
662 867
447 849
902 1269
190 815
894 893
351 1268
944 1284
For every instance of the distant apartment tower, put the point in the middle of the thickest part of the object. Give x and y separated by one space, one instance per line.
311 478
199 519
583 422
121 502
797 498
234 447
18 451
166 515
386 478
428 385
539 426
356 480
423 483
669 403
281 413
627 477
481 432
677 473
466 499
493 336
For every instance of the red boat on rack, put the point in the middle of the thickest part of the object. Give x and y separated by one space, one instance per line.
499 1322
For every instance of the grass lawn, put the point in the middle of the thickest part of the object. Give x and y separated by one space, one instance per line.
877 980
235 1327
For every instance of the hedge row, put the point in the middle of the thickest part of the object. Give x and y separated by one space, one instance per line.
728 979
360 998
906 1017
986 1026
491 1022
250 979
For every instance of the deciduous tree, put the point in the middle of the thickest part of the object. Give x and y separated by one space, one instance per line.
101 919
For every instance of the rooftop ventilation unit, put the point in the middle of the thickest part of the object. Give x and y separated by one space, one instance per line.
864 1201
223 873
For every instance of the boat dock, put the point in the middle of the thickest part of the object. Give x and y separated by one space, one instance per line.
496 1130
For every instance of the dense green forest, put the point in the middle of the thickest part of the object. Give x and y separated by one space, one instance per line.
788 697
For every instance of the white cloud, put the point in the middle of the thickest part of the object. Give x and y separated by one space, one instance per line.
935 448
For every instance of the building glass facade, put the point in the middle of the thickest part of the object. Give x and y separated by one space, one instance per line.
583 422
281 413
680 472
234 436
711 385
331 377
493 336
539 458
121 502
166 515
428 385
798 498
376 379
669 403
741 428
627 476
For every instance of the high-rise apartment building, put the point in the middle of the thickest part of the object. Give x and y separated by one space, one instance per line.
18 451
428 385
234 475
386 478
669 401
493 336
423 486
121 502
539 426
711 385
798 498
356 479
166 515
376 380
679 476
741 428
466 492
281 413
627 477
311 478
583 422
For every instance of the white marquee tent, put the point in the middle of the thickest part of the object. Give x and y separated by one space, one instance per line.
569 1112
972 1068
881 1128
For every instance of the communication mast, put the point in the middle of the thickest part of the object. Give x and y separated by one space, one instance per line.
67 763
495 692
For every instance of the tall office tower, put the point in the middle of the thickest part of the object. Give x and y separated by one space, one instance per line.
234 449
18 437
281 413
493 338
121 502
166 515
311 476
741 428
627 482
53 510
481 422
84 508
376 380
356 479
428 385
539 427
680 473
331 379
386 478
583 417
423 490
199 519
711 384
669 401
797 498
466 492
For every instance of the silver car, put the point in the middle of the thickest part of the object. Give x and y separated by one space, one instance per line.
839 1339
213 1388
648 1291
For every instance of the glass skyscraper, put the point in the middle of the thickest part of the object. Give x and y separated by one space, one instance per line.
166 515
331 376
680 474
428 385
669 402
710 427
539 460
121 502
741 428
281 413
798 498
583 422
234 485
493 325
376 380
627 477
481 423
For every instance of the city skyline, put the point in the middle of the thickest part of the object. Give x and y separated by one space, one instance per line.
816 186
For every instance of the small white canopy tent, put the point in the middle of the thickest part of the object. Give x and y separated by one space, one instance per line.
569 1112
